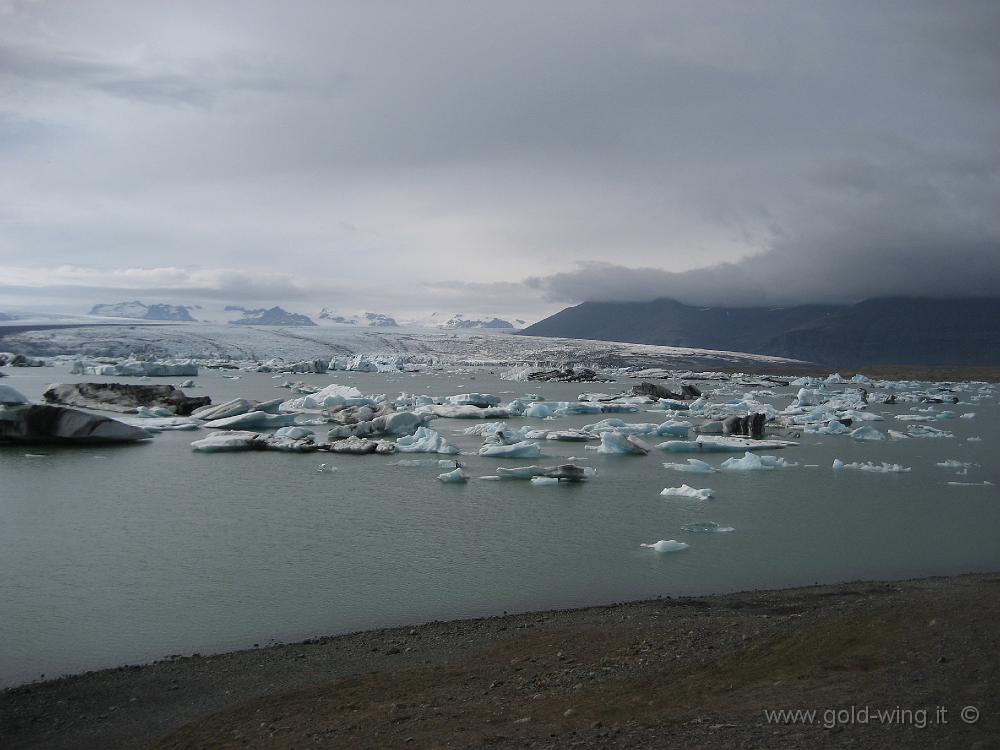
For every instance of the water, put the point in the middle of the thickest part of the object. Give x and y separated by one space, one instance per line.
126 554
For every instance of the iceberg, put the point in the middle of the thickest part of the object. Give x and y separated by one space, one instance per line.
252 420
721 444
11 397
331 395
926 431
667 545
43 423
867 433
883 468
753 462
235 440
687 491
523 449
544 480
481 400
617 443
425 440
693 466
706 527
457 475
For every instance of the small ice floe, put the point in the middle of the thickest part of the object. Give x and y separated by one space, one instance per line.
544 480
252 420
295 433
448 463
457 475
753 462
897 435
926 431
667 545
36 455
693 466
491 478
415 462
968 415
971 484
425 440
187 384
721 444
707 527
974 439
687 491
326 469
883 468
867 432
522 449
952 463
617 443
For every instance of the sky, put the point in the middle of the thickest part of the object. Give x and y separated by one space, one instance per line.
496 158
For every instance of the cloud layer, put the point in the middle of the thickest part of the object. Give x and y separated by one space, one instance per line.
419 157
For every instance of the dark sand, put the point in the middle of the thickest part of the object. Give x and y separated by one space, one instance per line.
690 672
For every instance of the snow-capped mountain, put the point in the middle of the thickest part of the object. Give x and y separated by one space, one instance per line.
460 321
274 316
140 311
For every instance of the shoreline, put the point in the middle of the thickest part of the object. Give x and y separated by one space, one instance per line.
628 674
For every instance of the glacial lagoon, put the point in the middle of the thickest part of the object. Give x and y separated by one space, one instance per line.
115 555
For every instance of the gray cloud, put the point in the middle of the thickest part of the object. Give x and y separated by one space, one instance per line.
439 154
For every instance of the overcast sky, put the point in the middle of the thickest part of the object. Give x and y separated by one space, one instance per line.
505 158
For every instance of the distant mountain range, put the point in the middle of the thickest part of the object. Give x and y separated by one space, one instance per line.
893 330
140 311
460 321
274 316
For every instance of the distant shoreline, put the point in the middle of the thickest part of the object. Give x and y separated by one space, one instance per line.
690 671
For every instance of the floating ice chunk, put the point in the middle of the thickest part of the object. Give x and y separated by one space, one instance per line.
667 545
11 397
687 491
617 443
326 469
331 395
721 444
415 462
516 408
486 428
235 440
425 440
463 411
570 436
693 465
458 475
544 480
897 435
159 424
883 468
973 439
491 478
253 420
984 483
867 433
926 431
952 463
448 463
152 412
295 433
707 527
968 415
523 449
481 400
538 410
753 462
521 472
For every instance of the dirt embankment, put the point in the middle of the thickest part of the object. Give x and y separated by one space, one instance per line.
691 672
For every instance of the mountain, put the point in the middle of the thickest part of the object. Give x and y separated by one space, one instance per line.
140 311
327 314
460 321
275 316
896 330
378 320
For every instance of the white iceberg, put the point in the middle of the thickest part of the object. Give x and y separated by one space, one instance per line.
544 480
425 440
867 433
252 420
523 449
753 462
617 443
883 468
687 491
331 395
667 545
707 527
693 466
458 475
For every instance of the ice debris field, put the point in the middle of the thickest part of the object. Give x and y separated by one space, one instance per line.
733 422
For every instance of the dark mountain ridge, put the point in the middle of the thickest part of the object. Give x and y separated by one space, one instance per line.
891 330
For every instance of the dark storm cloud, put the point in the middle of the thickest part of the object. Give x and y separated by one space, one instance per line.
440 153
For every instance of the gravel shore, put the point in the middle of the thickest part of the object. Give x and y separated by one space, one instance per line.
685 672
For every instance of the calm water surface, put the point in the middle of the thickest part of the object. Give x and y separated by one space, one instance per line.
126 554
